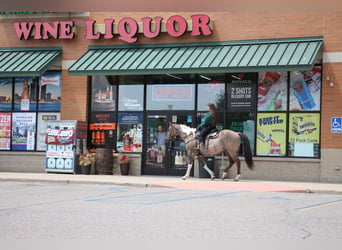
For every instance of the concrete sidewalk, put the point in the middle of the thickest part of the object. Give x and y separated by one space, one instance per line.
176 182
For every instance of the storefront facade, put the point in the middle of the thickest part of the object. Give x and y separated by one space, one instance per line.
274 77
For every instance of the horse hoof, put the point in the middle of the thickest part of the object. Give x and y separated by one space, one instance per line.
237 178
184 178
212 178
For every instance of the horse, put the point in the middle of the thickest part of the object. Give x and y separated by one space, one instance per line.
227 141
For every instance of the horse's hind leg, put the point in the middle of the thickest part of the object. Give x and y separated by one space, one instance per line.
238 165
225 172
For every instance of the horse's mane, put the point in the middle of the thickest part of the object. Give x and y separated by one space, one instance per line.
186 129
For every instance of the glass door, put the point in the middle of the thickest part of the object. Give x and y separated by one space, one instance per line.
160 157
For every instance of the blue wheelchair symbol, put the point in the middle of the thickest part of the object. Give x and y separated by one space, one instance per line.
336 124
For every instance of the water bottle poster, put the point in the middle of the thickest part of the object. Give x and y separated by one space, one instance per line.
272 91
271 134
305 90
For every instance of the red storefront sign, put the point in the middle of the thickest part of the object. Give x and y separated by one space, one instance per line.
126 29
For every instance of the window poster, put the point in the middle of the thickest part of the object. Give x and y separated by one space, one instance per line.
131 97
305 90
271 134
272 91
304 134
23 131
102 127
6 93
43 119
50 91
241 92
25 93
5 131
103 94
129 132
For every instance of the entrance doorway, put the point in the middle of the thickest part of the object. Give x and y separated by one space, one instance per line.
160 157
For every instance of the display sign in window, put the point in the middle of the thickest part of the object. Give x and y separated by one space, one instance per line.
305 90
241 92
304 134
170 97
5 131
23 131
130 132
272 91
6 86
271 134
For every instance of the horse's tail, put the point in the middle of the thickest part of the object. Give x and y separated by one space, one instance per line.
248 151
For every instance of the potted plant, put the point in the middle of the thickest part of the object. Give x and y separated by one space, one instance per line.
85 161
124 162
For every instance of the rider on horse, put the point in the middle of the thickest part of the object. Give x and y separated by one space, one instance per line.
208 124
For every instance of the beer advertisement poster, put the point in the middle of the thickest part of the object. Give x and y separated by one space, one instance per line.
304 131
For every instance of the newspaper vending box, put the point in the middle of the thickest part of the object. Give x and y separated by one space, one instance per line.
65 140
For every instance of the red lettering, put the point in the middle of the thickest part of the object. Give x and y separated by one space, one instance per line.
200 25
176 26
66 30
49 30
108 28
90 30
23 29
147 26
38 30
128 28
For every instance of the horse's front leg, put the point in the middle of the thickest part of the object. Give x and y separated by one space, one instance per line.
187 174
211 173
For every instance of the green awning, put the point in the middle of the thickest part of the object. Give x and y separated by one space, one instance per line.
214 57
30 61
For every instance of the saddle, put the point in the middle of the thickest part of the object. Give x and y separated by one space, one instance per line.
213 134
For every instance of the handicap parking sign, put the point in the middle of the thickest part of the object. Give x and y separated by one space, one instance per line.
336 125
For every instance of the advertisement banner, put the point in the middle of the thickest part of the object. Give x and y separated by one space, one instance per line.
60 136
305 90
271 134
50 91
241 92
5 131
6 85
272 91
23 131
304 134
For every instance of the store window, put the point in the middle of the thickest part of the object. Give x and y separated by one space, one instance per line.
243 122
211 89
26 104
171 92
131 97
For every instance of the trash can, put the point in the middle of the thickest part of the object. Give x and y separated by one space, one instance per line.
202 173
